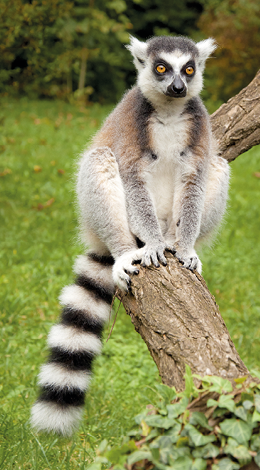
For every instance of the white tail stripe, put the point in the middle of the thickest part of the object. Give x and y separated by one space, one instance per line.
58 376
73 339
49 417
103 274
78 298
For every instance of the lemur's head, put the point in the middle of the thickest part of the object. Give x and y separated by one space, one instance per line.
170 67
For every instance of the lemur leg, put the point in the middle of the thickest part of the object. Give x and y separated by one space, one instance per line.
215 199
74 343
103 211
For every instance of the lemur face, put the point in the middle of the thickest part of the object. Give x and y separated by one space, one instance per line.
170 67
172 73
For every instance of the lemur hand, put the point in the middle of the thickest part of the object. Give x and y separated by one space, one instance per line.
123 266
189 259
154 254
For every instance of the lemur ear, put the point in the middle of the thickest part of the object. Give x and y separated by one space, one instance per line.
205 47
138 50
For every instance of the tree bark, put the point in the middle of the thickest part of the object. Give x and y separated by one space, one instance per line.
83 68
236 124
170 306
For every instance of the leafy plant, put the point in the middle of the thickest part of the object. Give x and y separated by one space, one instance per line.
212 425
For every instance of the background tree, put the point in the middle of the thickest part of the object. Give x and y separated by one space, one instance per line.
235 24
54 47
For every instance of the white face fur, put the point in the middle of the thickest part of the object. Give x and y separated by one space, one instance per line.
170 76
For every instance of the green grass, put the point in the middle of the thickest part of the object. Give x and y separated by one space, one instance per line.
37 252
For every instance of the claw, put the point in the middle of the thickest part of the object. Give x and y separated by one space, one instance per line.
171 250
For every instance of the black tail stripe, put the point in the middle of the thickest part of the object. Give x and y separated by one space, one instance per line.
77 360
62 396
100 292
81 320
104 260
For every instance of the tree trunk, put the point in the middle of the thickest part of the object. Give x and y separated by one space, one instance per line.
83 68
171 307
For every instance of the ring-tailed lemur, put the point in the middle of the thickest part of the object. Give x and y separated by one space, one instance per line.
150 181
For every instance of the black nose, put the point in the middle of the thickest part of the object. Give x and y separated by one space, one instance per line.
178 89
178 86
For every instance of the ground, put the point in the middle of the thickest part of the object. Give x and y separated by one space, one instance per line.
40 142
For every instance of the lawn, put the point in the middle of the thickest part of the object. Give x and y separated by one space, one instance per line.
40 142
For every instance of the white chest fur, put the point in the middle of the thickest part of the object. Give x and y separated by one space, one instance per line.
169 138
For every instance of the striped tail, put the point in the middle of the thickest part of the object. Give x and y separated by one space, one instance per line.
74 342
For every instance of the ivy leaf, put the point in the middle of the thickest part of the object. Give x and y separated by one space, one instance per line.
256 416
177 409
226 464
212 402
139 455
141 416
240 412
174 433
241 380
257 402
240 452
225 401
219 385
155 453
197 437
145 428
199 418
206 452
182 463
257 458
158 421
255 442
247 404
182 441
236 428
167 393
199 464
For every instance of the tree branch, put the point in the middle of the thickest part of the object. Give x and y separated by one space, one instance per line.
171 307
236 124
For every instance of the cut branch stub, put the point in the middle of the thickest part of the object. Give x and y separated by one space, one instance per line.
236 124
180 322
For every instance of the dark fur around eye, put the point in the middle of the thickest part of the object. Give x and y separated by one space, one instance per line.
191 63
168 68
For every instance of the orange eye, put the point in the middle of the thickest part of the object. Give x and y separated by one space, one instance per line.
160 68
189 70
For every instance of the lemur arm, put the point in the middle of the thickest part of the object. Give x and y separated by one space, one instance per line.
143 221
188 208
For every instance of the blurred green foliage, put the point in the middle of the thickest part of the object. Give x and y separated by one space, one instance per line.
75 48
235 24
54 48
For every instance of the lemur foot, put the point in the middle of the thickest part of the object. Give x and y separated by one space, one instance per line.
190 260
123 266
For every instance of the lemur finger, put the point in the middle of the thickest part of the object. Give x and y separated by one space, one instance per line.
146 260
162 258
194 263
131 270
155 260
